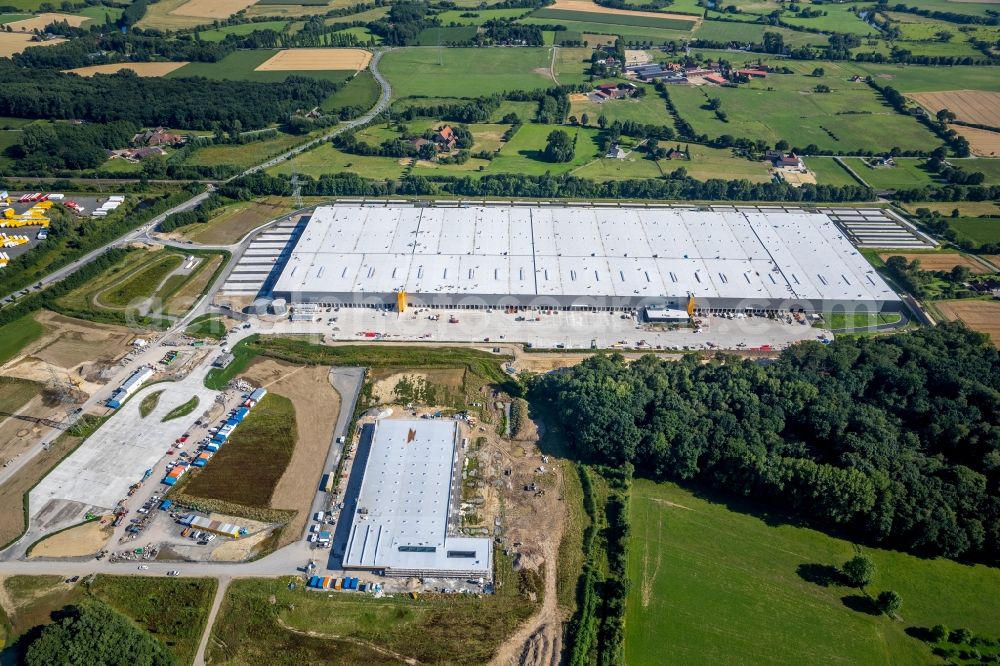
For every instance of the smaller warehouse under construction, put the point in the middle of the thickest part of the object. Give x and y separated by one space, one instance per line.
401 523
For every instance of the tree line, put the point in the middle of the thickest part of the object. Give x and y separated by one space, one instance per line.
891 440
677 185
188 103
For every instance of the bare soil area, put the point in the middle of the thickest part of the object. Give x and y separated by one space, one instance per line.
390 389
79 541
68 343
317 405
983 316
535 520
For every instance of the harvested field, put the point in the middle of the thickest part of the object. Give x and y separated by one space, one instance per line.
213 9
972 106
12 43
78 541
983 316
152 69
39 22
585 6
940 261
317 406
993 259
301 60
983 142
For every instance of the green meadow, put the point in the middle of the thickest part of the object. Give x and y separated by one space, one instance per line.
711 585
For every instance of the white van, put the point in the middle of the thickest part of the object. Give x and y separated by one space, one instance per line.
319 516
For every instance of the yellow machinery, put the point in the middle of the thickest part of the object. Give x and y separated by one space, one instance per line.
401 301
690 305
12 241
8 214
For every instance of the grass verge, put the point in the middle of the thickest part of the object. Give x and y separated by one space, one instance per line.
180 410
149 403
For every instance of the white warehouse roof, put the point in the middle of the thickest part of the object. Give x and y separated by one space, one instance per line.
578 252
401 519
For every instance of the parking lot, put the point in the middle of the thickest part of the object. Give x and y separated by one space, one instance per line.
552 330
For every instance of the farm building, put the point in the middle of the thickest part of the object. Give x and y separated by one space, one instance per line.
577 258
401 521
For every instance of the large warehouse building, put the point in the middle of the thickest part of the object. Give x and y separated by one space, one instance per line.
401 522
578 258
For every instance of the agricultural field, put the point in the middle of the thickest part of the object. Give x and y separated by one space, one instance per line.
982 316
939 261
260 449
980 107
982 142
829 172
784 106
295 8
465 72
12 43
837 18
479 16
310 60
917 79
218 34
306 628
753 33
908 173
964 208
153 69
39 21
722 585
571 65
177 14
988 167
244 66
630 33
983 230
569 10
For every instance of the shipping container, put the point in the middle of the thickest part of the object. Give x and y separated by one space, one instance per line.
166 504
338 583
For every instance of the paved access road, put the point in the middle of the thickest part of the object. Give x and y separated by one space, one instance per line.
136 234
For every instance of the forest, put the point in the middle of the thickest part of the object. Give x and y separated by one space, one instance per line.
892 440
186 103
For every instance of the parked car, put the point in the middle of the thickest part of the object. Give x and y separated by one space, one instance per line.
174 572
